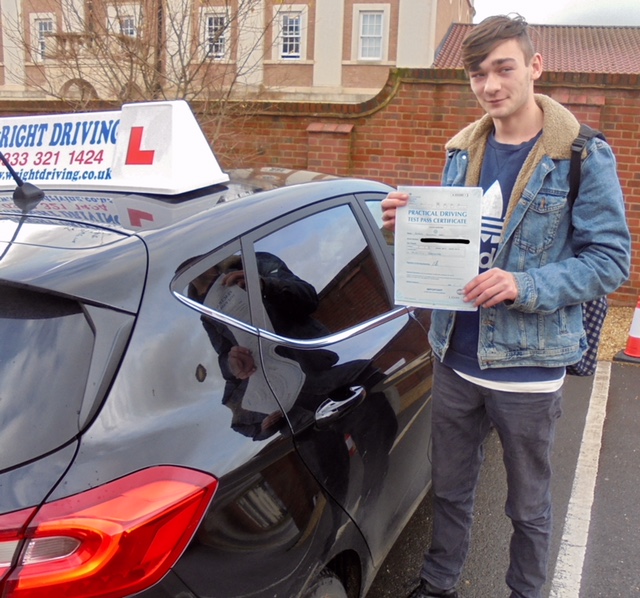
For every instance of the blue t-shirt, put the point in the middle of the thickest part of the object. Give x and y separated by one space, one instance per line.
500 168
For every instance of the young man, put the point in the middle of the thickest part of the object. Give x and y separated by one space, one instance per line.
503 366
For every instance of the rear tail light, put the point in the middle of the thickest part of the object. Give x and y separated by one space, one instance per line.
109 542
11 526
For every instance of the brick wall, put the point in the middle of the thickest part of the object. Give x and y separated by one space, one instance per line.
398 136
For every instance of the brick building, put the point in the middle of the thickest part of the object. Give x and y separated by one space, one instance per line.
337 50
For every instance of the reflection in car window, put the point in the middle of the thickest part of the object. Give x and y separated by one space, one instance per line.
318 276
219 283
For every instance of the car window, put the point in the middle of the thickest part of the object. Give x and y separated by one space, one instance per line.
218 282
375 207
318 276
45 355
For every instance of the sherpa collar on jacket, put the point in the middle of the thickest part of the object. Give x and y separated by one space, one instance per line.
559 129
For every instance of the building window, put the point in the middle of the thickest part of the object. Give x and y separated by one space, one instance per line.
124 20
371 35
291 36
216 36
290 23
42 28
45 28
128 25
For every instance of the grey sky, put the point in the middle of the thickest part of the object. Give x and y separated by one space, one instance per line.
565 12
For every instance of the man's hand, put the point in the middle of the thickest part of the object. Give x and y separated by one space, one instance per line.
241 362
235 277
271 420
390 203
490 288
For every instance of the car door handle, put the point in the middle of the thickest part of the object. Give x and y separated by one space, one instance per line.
331 410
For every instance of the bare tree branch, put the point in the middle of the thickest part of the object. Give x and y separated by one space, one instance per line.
208 52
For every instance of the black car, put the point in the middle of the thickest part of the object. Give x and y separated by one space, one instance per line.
207 393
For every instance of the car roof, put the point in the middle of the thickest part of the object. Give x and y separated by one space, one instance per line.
131 213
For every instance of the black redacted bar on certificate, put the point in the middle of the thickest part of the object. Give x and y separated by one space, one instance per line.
437 246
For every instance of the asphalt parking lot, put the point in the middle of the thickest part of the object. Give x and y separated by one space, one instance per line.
596 541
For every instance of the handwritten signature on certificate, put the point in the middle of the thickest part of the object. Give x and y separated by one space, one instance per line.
437 246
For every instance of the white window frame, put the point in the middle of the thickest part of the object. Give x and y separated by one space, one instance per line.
128 26
211 13
38 36
370 44
280 13
117 14
357 34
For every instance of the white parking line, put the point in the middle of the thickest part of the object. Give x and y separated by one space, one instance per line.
573 546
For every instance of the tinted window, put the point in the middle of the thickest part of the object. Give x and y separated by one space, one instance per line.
375 207
218 282
44 360
318 276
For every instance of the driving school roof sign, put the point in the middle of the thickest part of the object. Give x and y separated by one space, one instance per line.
152 147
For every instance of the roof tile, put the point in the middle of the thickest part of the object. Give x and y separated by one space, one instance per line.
565 48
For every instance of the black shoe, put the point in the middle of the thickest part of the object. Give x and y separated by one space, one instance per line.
426 590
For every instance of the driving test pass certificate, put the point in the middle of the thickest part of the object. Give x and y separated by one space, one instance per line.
437 246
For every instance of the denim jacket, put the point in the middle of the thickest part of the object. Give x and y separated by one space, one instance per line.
560 257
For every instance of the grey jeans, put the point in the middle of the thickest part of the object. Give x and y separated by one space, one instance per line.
463 414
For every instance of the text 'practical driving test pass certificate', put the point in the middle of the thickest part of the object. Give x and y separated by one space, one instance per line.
437 246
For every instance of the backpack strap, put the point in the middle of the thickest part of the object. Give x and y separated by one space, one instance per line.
586 133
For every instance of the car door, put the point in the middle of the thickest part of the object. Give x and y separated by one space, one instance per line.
270 524
358 405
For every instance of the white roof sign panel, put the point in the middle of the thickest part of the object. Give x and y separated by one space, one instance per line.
148 147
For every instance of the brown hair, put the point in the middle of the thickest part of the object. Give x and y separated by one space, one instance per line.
490 33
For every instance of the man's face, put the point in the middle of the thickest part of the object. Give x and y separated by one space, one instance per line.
503 82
